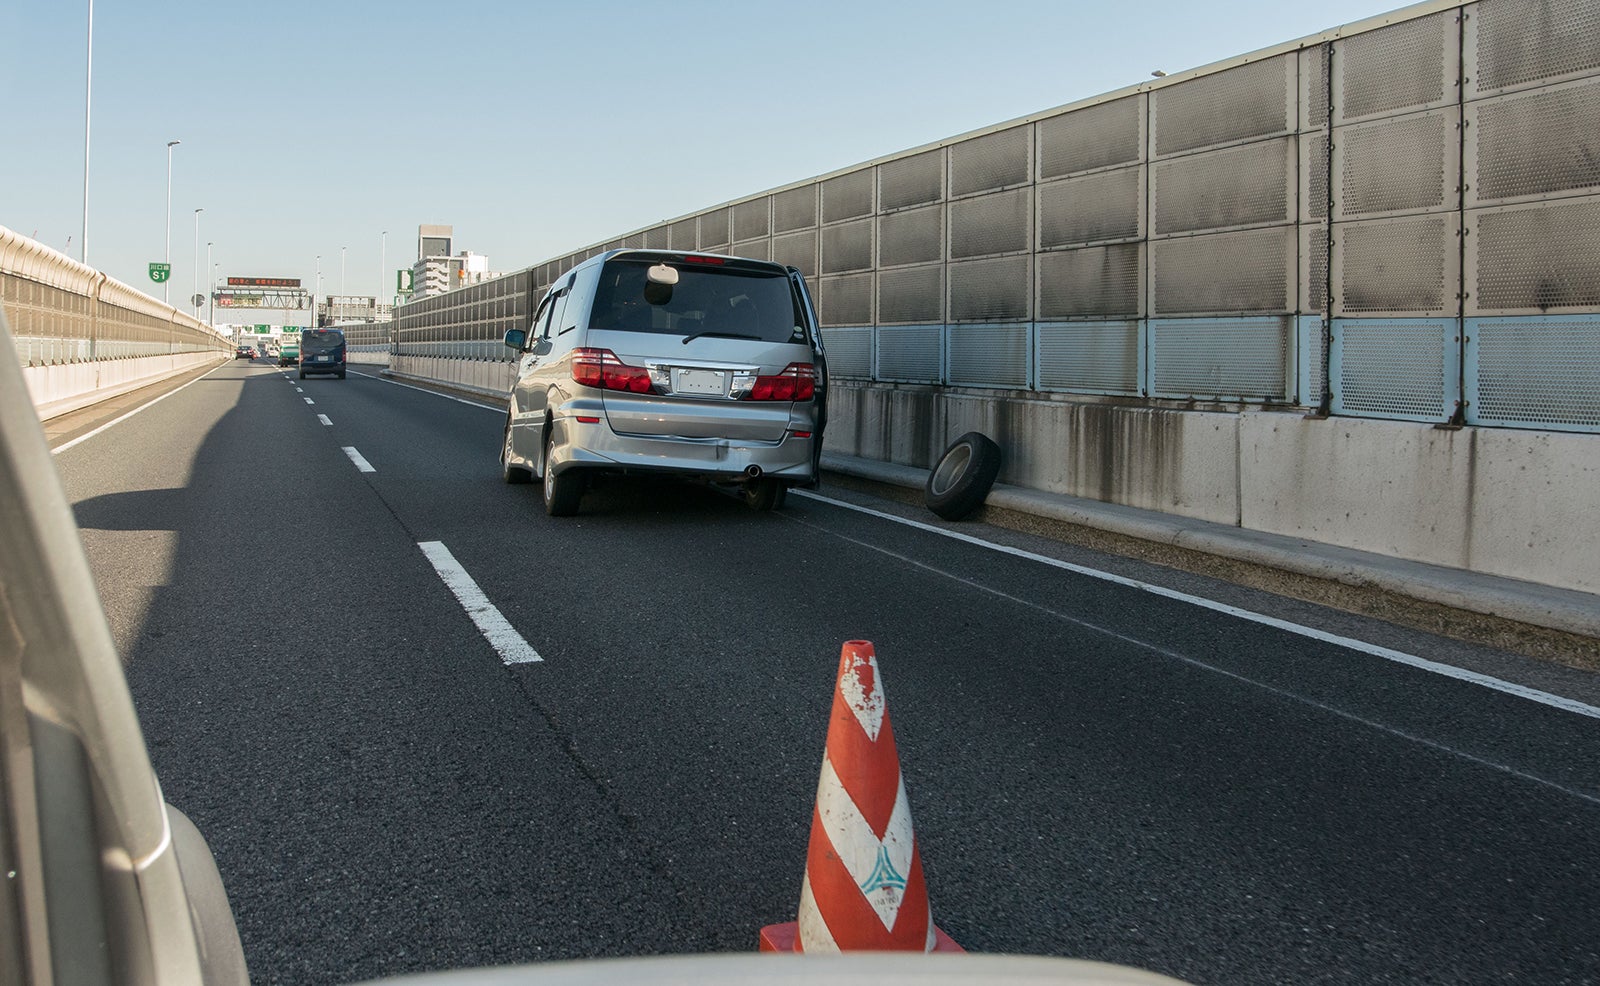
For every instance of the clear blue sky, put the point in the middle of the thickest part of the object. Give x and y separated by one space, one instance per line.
533 128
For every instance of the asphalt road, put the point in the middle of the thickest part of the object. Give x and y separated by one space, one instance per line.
1095 770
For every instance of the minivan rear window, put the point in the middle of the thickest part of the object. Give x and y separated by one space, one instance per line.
321 340
714 301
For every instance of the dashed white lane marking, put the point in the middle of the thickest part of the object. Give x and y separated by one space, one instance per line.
502 636
361 464
298 390
118 420
324 419
424 390
308 400
1399 657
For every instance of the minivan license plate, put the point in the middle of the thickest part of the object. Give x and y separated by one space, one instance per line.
700 382
323 359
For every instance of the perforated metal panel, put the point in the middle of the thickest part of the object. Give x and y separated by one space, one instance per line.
1098 136
1534 372
1239 186
845 300
1253 100
1515 43
849 351
1250 271
794 209
681 235
910 353
1219 358
911 237
1091 281
1313 176
915 180
634 242
1314 66
988 355
1397 266
1534 258
1407 66
656 238
1314 267
911 294
992 161
1534 144
759 249
752 219
797 250
714 230
1087 357
1311 355
990 224
1407 164
847 196
1395 368
990 290
847 246
1107 205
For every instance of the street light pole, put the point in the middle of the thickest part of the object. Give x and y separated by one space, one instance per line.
341 270
197 260
88 90
211 286
383 270
166 256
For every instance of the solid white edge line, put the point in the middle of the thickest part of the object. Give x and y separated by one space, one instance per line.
115 421
324 419
424 390
361 463
1374 650
496 629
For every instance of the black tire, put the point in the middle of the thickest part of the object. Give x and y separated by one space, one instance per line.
765 494
302 374
508 472
962 476
561 493
341 374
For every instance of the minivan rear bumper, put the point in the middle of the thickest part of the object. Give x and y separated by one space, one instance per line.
583 445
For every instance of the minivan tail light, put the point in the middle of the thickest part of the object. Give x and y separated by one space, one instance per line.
797 382
601 368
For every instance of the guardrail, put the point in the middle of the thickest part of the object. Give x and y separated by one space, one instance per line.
83 336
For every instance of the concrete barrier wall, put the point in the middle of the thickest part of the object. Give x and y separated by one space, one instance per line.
1497 501
66 387
491 378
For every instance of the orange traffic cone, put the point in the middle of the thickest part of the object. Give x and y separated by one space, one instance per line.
863 887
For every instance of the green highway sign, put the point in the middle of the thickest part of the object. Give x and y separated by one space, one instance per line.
160 272
402 281
263 328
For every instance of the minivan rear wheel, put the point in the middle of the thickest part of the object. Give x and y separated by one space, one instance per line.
765 494
561 493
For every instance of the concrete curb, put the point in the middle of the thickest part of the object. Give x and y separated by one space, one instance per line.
1566 610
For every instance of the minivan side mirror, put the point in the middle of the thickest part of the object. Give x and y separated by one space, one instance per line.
516 338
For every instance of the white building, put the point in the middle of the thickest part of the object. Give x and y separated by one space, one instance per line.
438 269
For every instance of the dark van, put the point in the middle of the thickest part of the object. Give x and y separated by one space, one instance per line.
321 351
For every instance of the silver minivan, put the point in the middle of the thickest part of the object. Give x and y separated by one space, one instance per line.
652 361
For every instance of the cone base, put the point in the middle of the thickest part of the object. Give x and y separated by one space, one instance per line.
783 937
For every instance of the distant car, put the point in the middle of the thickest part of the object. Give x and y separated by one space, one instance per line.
244 352
650 361
322 351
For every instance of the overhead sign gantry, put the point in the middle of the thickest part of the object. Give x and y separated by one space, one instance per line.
262 292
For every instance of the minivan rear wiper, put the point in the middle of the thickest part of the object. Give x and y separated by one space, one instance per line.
720 335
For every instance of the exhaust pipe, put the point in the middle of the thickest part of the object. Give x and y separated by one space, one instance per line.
752 471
